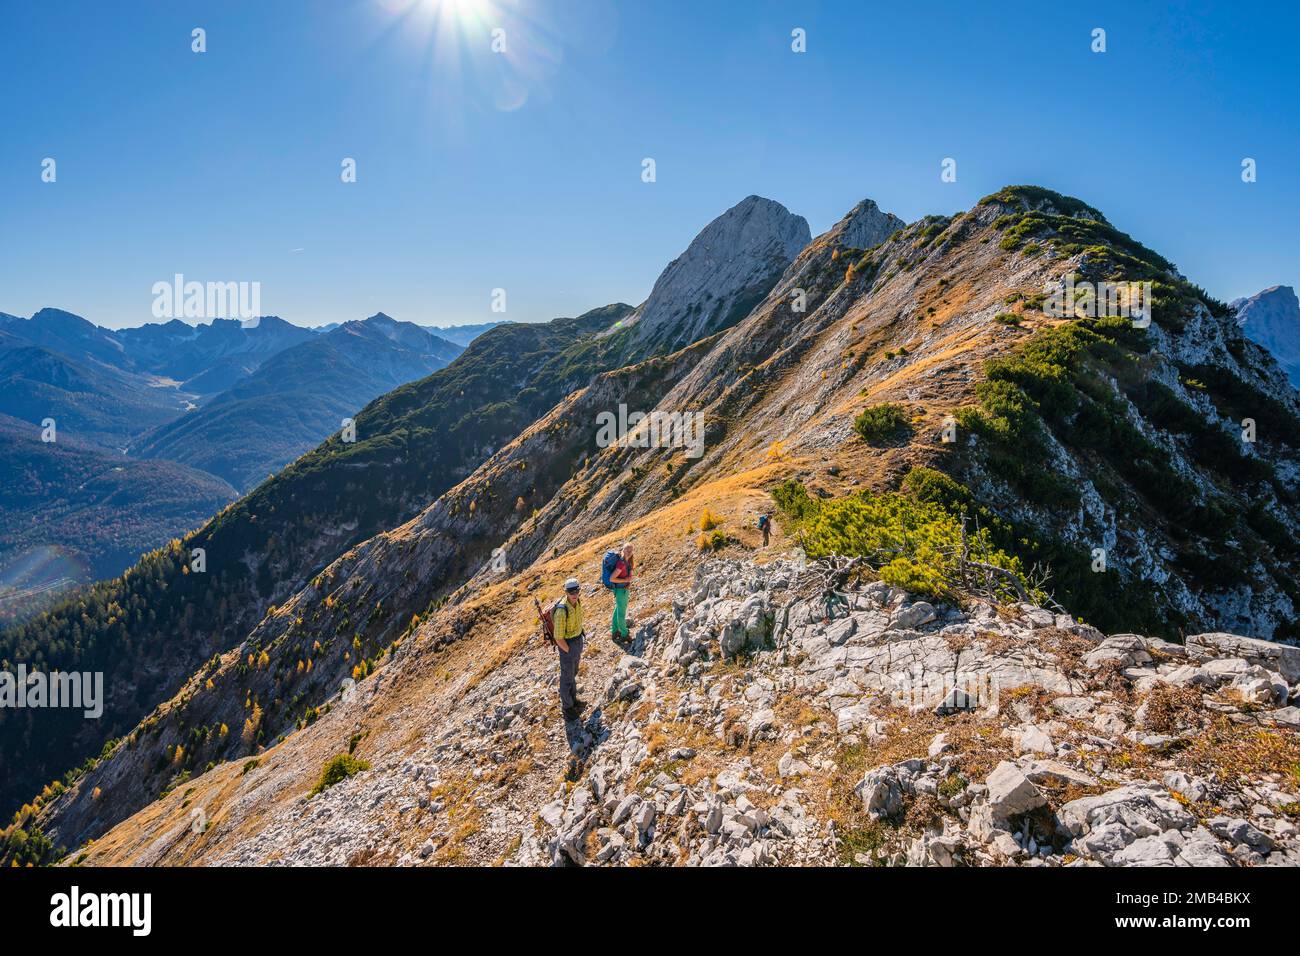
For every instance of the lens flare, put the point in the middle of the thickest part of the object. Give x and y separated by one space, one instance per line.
495 54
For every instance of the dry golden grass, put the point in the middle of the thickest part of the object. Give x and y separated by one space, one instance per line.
1170 709
509 850
463 816
1234 750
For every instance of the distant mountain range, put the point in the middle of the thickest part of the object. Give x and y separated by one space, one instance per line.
208 358
296 398
201 413
98 403
464 334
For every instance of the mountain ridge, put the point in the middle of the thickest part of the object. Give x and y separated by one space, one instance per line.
413 444
943 321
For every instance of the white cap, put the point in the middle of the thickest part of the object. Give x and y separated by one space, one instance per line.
572 584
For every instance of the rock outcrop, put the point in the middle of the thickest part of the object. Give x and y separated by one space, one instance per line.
726 270
865 226
743 727
724 766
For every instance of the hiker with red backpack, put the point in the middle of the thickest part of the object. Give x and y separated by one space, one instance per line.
616 574
562 625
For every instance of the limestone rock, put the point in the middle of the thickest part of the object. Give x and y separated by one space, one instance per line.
1276 657
1012 793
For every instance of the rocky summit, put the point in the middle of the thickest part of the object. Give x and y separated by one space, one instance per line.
725 271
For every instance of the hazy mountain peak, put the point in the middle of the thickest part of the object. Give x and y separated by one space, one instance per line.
71 335
1282 294
266 322
48 315
1271 318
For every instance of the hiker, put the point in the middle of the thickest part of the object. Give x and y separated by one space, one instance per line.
567 620
765 526
616 574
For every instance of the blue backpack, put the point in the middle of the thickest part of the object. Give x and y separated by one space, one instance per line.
607 566
762 521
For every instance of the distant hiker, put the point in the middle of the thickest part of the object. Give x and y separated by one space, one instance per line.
567 621
616 574
765 526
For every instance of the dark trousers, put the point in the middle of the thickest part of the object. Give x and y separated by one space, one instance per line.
569 672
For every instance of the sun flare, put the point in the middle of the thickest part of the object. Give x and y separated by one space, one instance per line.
494 53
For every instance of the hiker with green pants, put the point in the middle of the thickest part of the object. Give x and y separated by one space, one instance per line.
619 580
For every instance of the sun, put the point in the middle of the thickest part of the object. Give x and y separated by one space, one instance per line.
463 10
464 15
440 25
492 54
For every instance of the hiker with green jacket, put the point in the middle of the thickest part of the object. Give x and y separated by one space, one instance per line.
567 621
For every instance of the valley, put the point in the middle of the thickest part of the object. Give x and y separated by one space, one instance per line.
179 419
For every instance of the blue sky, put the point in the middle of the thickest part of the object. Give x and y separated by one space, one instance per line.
522 170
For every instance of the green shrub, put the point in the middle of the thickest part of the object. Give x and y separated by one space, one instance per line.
711 540
1007 318
1032 197
337 769
931 486
1101 599
1160 405
1236 399
912 544
880 423
952 785
792 498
